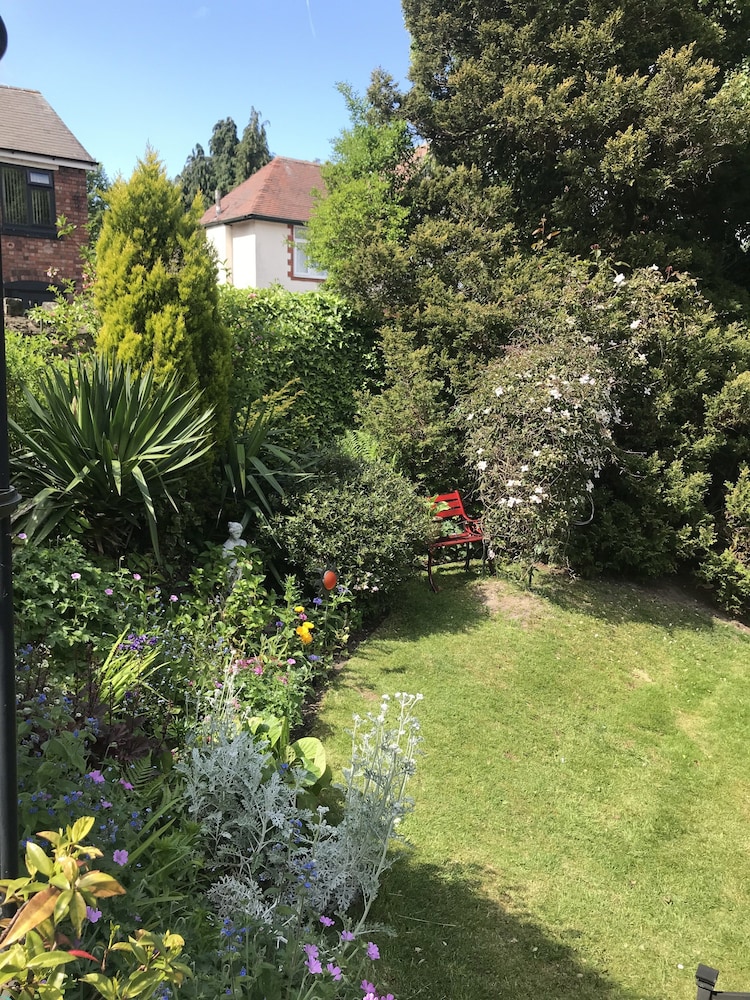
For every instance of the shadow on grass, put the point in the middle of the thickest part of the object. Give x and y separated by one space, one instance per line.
454 943
665 604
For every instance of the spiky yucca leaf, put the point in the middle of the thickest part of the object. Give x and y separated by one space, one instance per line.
104 445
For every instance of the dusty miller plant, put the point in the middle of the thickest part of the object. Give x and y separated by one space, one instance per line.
281 865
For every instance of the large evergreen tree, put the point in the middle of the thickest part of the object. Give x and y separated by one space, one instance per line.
230 161
622 125
156 287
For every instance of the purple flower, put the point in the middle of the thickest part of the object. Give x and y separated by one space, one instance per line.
258 669
313 658
317 601
173 598
106 805
126 785
108 591
347 936
93 915
314 966
97 777
326 921
75 576
284 679
22 535
372 951
310 950
291 661
120 858
367 987
136 576
334 970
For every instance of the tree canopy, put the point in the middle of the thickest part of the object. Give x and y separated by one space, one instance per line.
231 160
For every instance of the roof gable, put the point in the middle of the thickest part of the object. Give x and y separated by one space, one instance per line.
282 190
28 125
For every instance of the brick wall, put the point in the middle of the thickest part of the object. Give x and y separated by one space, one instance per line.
28 258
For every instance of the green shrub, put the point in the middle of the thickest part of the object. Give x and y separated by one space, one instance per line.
363 520
27 358
304 343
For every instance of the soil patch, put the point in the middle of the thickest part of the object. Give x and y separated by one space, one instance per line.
501 598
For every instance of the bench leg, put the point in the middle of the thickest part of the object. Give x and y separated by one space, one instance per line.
429 572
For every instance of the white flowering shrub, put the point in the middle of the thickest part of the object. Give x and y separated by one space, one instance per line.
539 426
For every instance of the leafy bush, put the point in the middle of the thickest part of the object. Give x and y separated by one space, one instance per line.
105 448
28 359
728 571
363 520
304 343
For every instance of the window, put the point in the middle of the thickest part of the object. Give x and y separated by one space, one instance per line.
28 201
302 267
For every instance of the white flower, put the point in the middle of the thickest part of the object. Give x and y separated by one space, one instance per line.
470 416
589 486
619 278
555 393
535 498
654 267
485 412
547 409
585 379
481 466
480 451
499 391
647 391
641 357
635 324
524 468
565 413
536 453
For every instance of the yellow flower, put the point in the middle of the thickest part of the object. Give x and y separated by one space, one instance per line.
299 609
304 634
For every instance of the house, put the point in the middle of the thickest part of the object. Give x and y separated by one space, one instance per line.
43 170
258 229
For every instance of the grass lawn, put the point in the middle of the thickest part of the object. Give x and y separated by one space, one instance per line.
582 820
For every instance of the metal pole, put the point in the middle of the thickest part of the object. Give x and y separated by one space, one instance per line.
9 500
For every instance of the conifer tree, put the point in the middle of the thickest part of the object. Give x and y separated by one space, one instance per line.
156 287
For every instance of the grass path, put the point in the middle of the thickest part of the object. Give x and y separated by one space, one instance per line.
582 821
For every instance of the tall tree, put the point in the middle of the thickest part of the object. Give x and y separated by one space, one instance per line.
622 125
223 146
156 287
197 177
252 151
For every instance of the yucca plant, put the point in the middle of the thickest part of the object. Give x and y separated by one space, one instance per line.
105 446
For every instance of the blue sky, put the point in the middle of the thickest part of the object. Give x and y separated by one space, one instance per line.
129 74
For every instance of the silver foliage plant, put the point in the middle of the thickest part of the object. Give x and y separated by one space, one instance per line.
278 864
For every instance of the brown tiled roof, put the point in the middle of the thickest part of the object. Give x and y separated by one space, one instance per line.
29 125
282 190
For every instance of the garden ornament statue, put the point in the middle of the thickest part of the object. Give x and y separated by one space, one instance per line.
234 541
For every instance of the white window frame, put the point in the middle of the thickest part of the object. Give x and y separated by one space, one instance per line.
302 267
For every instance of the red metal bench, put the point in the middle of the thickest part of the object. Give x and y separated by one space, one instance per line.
468 530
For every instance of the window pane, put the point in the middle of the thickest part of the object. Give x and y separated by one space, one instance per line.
41 207
40 177
14 196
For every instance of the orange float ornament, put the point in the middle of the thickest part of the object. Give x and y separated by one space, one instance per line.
330 579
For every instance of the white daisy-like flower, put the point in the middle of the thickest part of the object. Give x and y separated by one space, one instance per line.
619 278
481 466
499 391
635 324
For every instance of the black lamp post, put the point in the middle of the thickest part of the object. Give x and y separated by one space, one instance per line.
9 500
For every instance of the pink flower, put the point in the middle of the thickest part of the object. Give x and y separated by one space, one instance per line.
314 966
326 921
334 970
367 987
108 591
372 951
93 915
75 576
173 598
347 936
284 679
258 669
97 777
126 785
22 535
106 805
120 858
136 576
310 950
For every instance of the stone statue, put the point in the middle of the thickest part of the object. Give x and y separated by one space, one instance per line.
234 541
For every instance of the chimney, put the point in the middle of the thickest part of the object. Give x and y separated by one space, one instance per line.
217 200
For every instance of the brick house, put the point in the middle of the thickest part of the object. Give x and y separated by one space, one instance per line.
43 171
258 229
